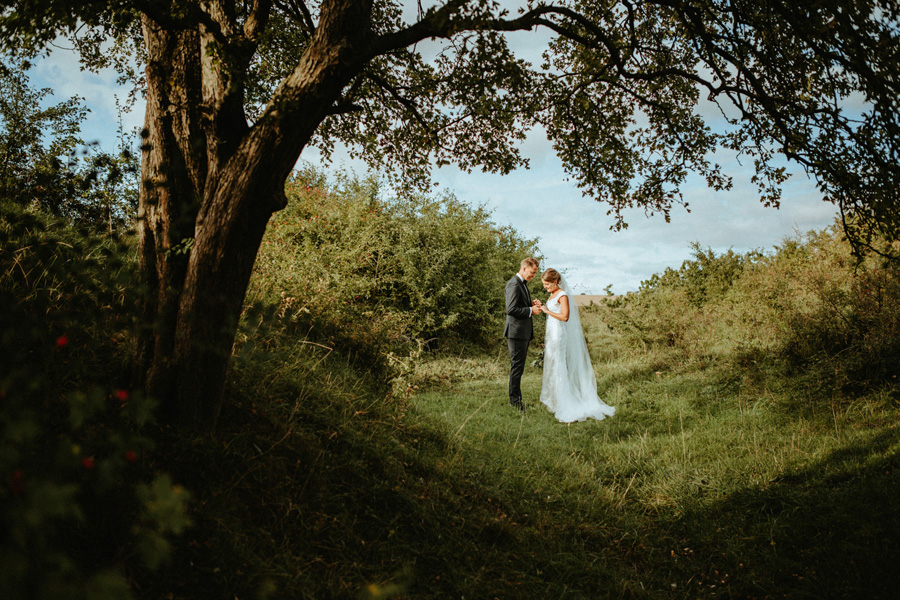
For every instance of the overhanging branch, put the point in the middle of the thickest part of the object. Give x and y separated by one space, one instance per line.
158 12
257 20
400 98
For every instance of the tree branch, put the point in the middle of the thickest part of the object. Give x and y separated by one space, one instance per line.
441 24
158 12
307 16
343 107
405 102
298 12
437 23
257 20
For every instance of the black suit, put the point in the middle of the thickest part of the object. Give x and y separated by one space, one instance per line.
518 333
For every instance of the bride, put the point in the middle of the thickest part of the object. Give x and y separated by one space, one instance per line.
569 387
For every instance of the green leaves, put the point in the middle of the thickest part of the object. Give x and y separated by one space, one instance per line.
45 162
384 271
164 512
619 93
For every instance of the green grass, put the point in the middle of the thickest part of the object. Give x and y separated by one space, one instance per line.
699 486
319 485
718 477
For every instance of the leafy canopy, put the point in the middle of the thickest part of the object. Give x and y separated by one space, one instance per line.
45 162
619 90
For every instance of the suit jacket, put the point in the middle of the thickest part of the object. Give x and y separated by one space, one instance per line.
519 324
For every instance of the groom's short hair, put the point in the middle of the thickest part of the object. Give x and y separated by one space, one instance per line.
528 262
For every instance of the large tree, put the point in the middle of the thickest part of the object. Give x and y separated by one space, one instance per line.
236 90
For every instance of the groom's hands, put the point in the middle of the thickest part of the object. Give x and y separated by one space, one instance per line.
535 307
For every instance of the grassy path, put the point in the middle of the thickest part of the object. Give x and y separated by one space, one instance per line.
700 486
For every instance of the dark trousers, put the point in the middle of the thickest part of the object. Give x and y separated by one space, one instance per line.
518 350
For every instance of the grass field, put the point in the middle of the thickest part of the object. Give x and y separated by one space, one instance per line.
707 483
699 486
726 472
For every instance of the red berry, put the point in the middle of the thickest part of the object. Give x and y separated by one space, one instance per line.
17 483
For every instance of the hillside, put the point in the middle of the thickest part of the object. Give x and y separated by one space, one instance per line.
754 452
587 299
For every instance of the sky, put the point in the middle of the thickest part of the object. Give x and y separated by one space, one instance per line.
573 231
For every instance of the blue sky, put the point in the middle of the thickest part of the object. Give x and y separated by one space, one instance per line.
573 230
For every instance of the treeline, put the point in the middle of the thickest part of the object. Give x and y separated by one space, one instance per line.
809 308
349 266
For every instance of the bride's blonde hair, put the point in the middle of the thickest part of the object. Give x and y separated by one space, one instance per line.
551 275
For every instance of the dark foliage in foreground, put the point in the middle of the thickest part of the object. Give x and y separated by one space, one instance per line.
322 481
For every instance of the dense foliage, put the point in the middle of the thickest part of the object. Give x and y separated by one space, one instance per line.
350 265
45 162
808 306
77 502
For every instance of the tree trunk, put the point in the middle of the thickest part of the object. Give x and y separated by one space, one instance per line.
172 174
211 184
229 233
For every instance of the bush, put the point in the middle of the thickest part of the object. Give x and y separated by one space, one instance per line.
808 307
347 266
831 316
77 502
704 279
679 311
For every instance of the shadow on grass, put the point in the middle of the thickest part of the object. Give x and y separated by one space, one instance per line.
829 530
338 496
327 503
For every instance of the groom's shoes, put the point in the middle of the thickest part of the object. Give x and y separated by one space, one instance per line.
518 404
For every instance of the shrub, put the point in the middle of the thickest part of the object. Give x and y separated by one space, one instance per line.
706 278
77 501
680 311
350 267
809 306
834 317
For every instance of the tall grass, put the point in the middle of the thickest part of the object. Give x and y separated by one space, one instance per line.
746 458
699 486
751 454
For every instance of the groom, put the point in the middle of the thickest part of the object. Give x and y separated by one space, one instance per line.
519 329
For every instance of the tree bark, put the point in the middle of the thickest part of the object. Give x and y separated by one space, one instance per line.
172 172
211 184
229 233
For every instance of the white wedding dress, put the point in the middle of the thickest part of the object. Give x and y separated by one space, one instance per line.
569 387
